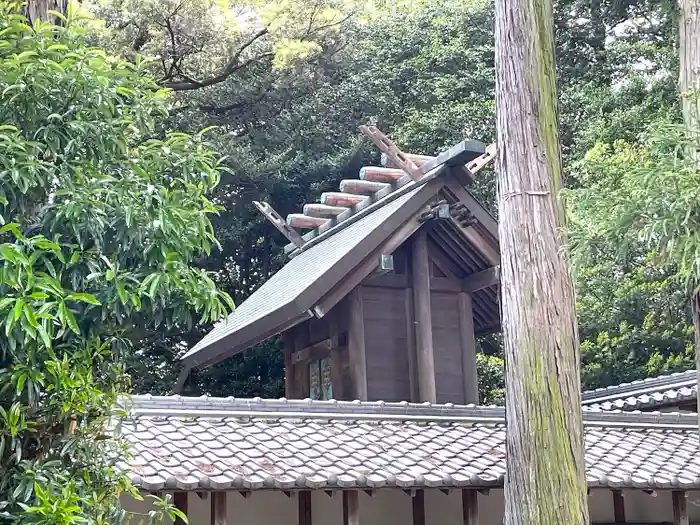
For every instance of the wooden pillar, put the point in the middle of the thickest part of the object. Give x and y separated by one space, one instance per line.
468 343
419 508
356 344
304 507
288 366
470 508
218 508
411 345
619 506
423 323
680 508
180 502
351 507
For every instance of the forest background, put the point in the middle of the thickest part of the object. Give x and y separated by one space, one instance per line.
287 93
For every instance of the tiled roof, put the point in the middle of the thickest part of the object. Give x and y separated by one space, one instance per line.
217 443
655 392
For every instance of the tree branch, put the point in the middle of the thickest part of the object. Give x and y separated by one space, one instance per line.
231 67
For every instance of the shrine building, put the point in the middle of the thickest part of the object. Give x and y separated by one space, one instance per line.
378 309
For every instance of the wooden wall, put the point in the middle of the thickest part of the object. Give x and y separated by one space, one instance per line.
374 340
386 346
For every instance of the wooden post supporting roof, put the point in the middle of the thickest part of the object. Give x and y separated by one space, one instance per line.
470 509
468 344
304 507
180 502
423 317
218 508
619 506
680 508
356 344
411 345
351 507
418 502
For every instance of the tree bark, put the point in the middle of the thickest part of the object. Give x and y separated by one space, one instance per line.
695 302
39 10
689 54
545 480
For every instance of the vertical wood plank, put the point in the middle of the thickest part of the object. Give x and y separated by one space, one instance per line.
304 507
468 344
218 508
336 356
470 508
351 507
356 344
619 506
180 502
680 508
423 317
419 508
411 344
288 342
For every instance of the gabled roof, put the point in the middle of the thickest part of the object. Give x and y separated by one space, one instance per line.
344 235
226 443
655 392
287 297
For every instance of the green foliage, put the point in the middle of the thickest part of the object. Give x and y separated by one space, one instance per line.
423 72
636 212
102 214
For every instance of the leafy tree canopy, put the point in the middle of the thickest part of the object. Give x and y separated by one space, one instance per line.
102 213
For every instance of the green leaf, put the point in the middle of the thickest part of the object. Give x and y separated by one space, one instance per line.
83 298
31 317
44 336
19 305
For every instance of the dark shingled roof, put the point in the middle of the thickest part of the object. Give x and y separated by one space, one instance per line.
217 443
286 298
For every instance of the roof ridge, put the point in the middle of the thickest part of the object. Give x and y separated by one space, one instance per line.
212 407
640 386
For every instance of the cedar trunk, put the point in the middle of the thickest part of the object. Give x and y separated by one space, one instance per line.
39 10
688 86
689 55
545 479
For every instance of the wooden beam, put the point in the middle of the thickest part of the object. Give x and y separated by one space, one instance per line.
356 344
351 507
418 502
619 506
409 313
680 508
480 280
278 222
313 351
218 508
423 317
180 502
304 507
288 344
467 341
336 357
470 508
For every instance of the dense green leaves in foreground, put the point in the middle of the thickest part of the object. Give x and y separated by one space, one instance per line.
101 215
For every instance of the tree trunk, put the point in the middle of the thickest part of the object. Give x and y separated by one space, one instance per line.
689 86
695 301
39 10
545 480
689 54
